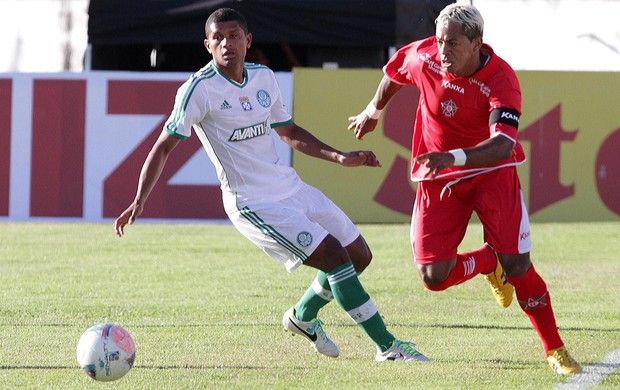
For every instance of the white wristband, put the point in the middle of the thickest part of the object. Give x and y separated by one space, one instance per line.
460 158
372 111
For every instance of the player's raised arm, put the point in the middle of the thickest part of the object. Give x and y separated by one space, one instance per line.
366 121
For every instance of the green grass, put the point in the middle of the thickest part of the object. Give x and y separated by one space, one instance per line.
204 307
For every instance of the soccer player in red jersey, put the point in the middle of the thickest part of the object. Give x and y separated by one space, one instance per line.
464 157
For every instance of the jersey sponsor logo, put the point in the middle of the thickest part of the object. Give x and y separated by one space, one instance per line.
486 91
263 98
253 131
509 116
304 239
505 115
225 105
449 108
245 103
448 85
432 65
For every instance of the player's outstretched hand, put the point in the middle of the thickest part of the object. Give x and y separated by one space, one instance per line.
127 218
361 124
359 158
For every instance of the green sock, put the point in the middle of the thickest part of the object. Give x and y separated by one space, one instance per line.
318 295
351 296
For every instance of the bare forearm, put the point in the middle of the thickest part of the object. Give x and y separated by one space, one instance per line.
154 165
490 151
485 153
151 170
316 148
384 93
303 141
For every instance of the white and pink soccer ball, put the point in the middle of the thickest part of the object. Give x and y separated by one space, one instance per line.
106 352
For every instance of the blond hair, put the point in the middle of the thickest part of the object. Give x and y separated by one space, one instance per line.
466 15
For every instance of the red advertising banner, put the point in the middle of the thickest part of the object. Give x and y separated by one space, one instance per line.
72 146
5 143
57 159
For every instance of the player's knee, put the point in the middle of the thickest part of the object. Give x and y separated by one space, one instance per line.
515 265
362 262
433 278
434 285
360 254
330 254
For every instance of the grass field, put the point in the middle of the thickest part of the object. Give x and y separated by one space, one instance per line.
204 307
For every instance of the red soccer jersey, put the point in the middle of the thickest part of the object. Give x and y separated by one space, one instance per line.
453 112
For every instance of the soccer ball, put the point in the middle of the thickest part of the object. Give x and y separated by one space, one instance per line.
106 352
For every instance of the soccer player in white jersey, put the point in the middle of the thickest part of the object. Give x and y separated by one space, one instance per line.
232 107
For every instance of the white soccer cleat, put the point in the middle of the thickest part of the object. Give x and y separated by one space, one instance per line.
401 351
311 331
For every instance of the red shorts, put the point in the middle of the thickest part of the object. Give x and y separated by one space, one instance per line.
439 225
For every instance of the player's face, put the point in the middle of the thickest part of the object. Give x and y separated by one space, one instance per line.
459 56
228 44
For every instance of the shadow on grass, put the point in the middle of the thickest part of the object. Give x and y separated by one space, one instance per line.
501 327
513 364
212 367
39 368
150 367
334 324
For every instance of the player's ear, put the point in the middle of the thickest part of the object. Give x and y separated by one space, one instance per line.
477 43
206 43
248 38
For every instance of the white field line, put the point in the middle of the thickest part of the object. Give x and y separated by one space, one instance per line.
594 374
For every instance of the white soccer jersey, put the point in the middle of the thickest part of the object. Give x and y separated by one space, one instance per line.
233 121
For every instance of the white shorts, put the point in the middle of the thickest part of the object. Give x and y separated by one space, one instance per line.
289 230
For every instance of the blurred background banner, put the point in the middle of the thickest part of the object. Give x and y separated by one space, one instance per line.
72 145
570 129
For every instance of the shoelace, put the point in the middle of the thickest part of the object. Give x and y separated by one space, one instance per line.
499 280
407 347
317 327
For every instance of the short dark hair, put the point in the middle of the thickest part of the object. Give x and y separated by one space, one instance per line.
226 15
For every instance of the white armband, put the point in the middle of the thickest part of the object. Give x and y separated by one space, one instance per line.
460 158
372 111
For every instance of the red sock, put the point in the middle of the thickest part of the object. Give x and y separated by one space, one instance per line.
468 265
533 296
